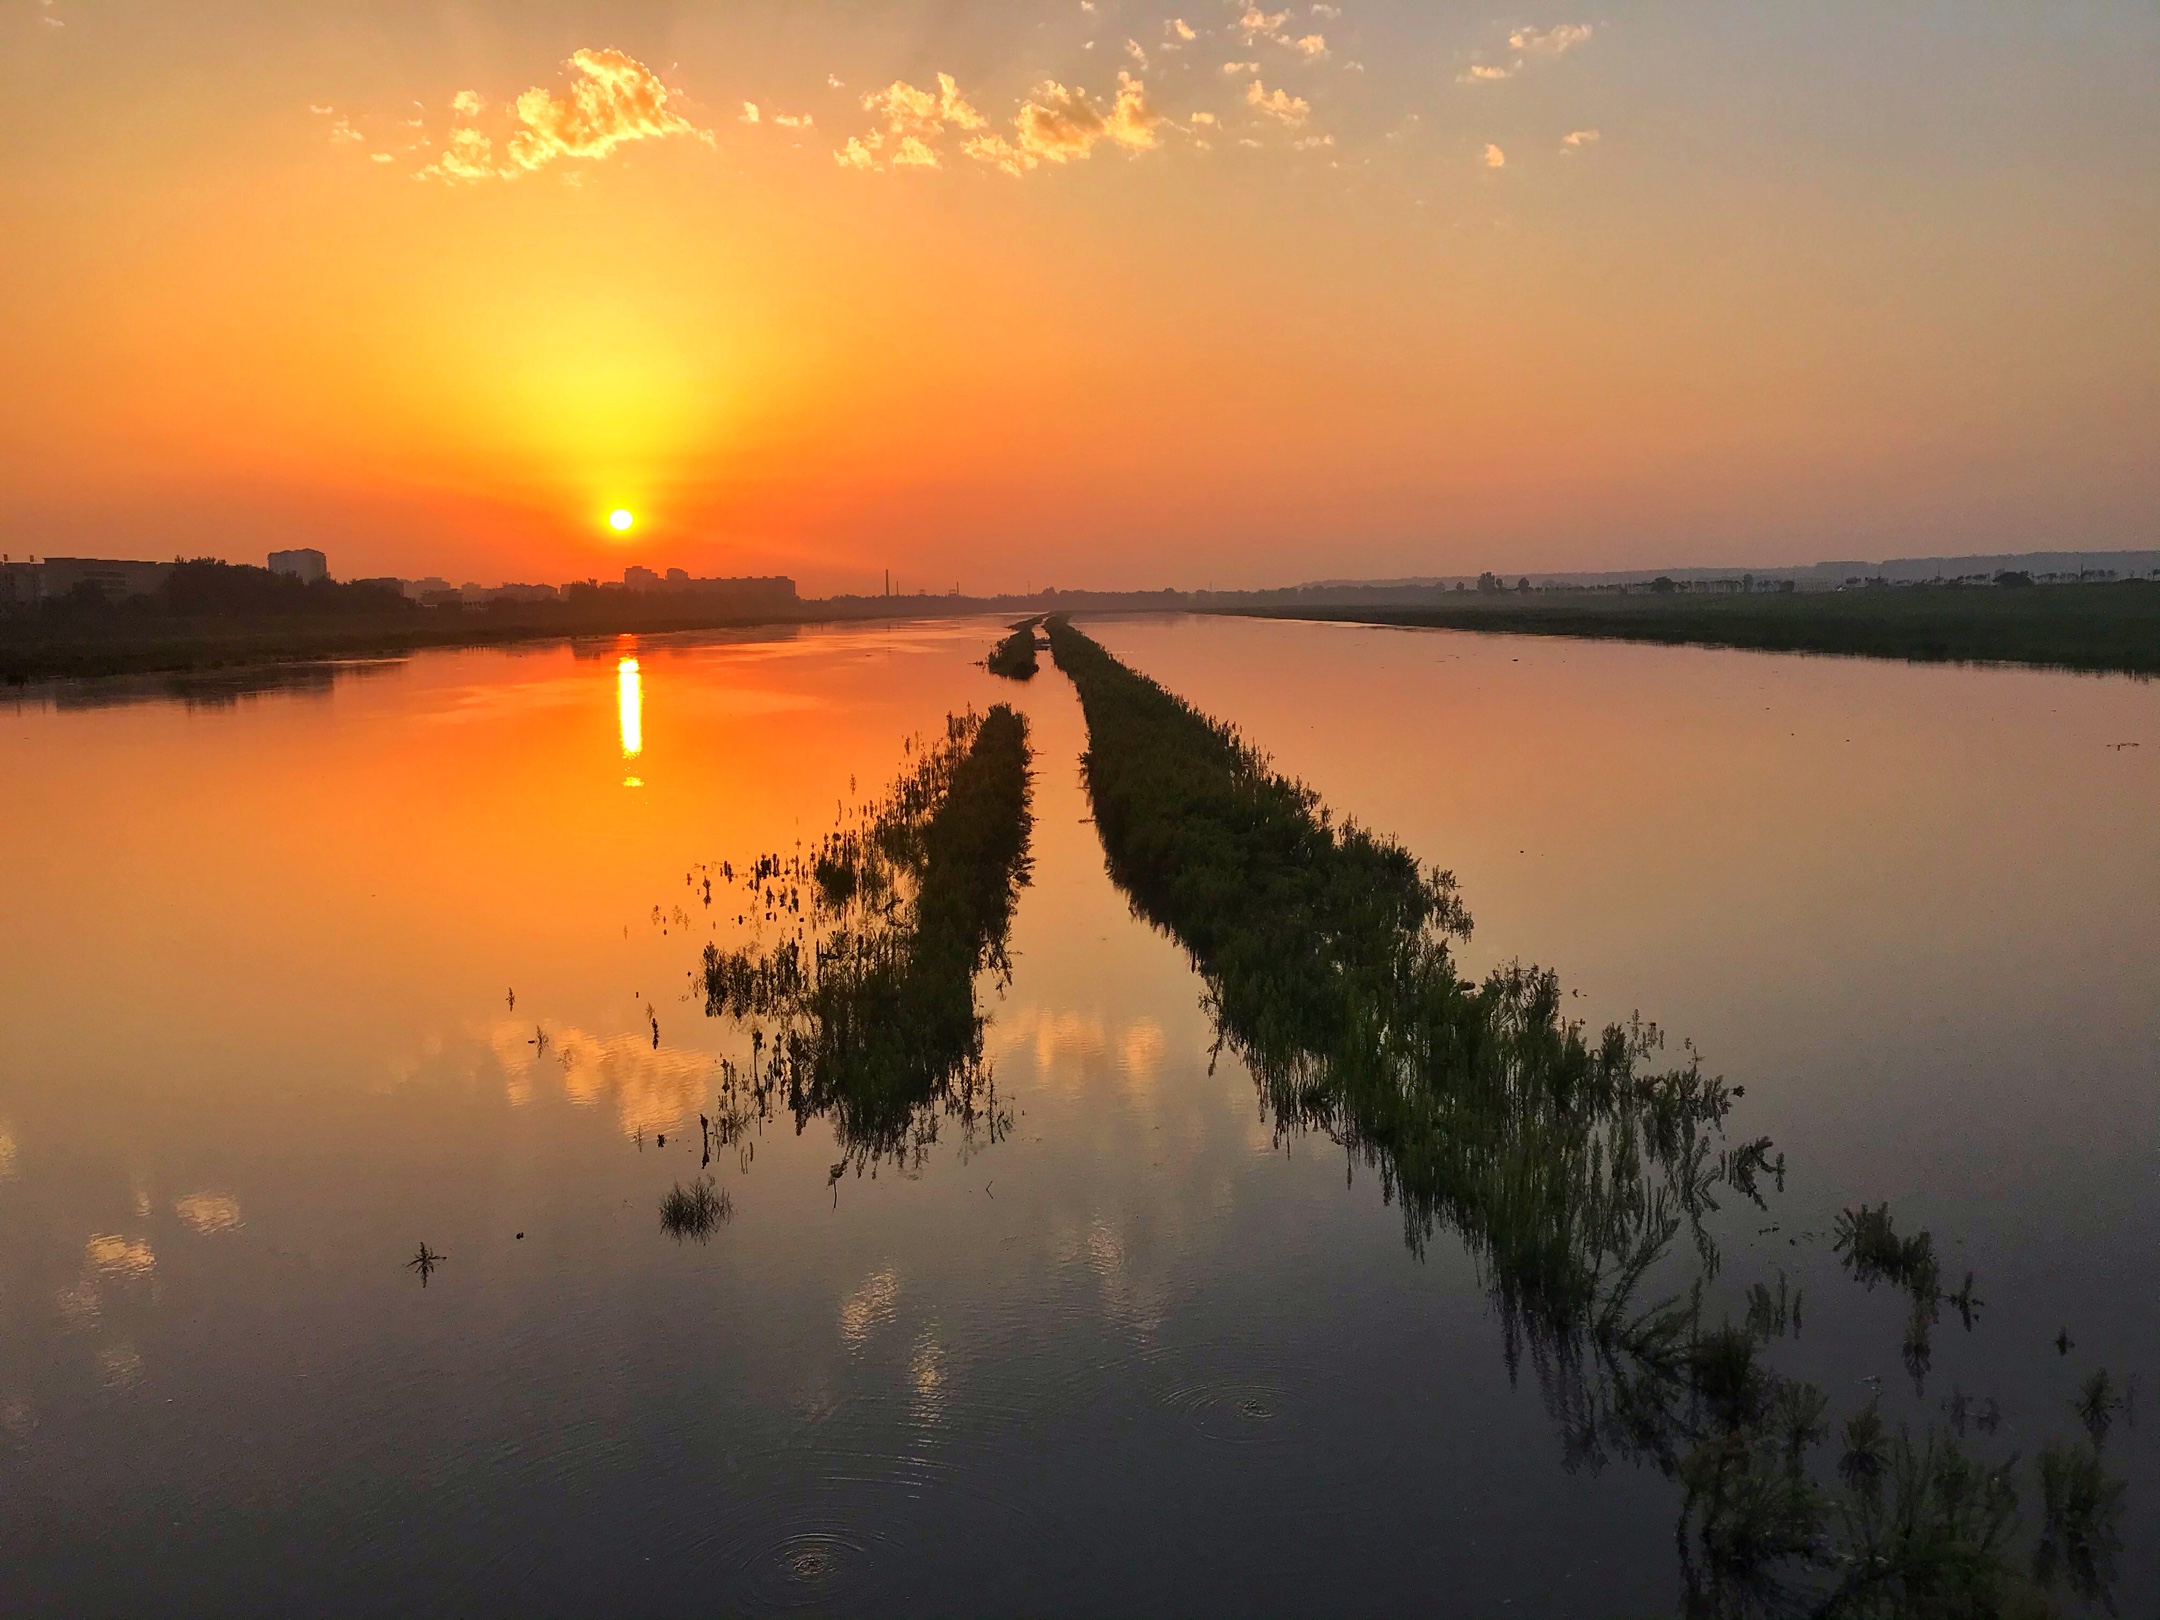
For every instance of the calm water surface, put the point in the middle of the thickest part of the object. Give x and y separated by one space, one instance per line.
298 976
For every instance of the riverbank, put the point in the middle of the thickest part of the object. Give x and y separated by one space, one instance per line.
124 643
2112 627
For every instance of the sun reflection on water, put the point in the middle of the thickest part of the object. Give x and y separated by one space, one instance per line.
630 716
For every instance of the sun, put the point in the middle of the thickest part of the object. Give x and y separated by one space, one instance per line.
620 519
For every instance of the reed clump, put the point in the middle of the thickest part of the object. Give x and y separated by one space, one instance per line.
1567 1166
864 1010
1014 657
696 1211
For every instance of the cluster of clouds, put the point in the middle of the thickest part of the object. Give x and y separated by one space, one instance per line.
1529 43
612 99
1057 124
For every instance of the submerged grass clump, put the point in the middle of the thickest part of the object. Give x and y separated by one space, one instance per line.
1014 657
864 1008
696 1211
1568 1168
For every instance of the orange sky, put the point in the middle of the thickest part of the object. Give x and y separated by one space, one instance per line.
1376 289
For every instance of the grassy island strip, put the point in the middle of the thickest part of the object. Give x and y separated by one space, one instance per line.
863 1008
1567 1168
2097 627
1014 657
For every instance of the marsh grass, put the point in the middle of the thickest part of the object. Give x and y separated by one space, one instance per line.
2097 627
1569 1168
696 1211
1014 657
864 1009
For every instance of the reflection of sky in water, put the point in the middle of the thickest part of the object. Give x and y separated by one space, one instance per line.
652 1088
208 1213
1108 1285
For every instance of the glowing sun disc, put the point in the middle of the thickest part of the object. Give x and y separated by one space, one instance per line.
620 519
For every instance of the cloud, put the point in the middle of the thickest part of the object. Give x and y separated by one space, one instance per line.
1576 139
999 153
1061 124
613 99
467 158
749 112
1327 11
1552 41
913 119
1241 67
1312 47
1058 125
1484 72
1256 21
1494 157
794 120
1137 52
1178 28
1279 105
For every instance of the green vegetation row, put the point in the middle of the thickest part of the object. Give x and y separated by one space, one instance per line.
863 1008
1568 1169
2097 627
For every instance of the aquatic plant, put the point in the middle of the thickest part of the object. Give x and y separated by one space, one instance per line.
2081 1529
1567 1167
870 999
695 1211
1872 1252
1014 657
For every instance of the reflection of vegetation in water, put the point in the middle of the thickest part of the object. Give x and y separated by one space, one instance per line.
1566 1167
695 1211
865 1007
1872 1251
1014 657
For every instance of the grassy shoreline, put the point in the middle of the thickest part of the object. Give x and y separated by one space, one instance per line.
159 646
2100 629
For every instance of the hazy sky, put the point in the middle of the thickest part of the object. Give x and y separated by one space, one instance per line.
1106 294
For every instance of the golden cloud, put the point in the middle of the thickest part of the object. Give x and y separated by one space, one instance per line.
1551 41
913 118
613 99
1279 105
